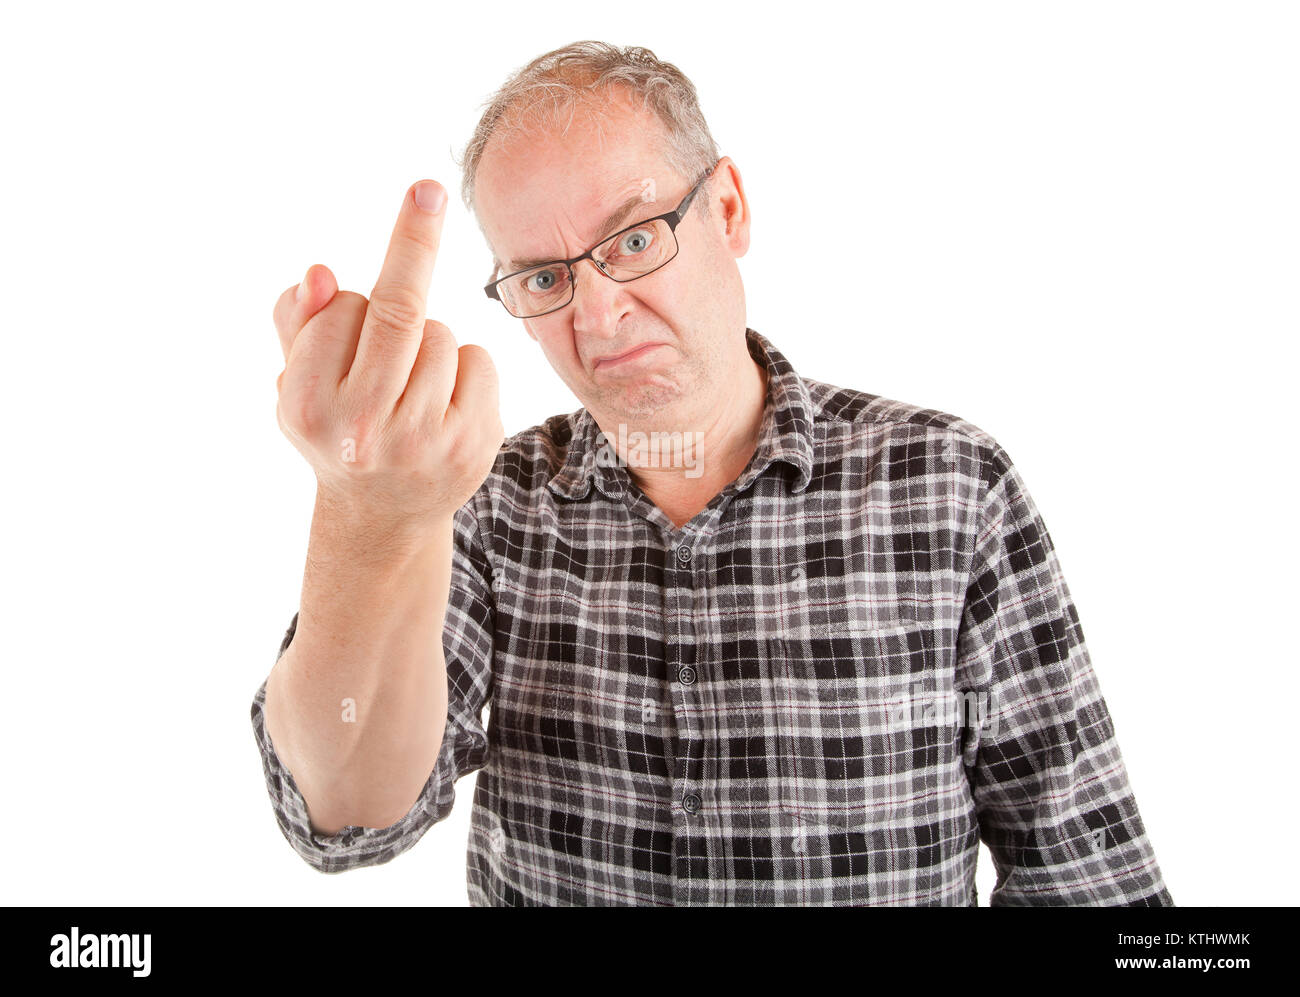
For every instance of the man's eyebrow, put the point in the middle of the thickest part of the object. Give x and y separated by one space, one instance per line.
608 227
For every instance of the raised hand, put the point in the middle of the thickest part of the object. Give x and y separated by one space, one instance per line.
398 424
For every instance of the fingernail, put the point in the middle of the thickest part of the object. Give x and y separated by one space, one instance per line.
302 288
430 197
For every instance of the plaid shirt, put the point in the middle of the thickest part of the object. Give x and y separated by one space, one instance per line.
859 660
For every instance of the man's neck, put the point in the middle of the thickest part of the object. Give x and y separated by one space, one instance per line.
681 470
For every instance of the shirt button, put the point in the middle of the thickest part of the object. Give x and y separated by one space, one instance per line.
690 803
686 676
684 554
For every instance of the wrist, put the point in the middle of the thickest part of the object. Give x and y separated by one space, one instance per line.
375 529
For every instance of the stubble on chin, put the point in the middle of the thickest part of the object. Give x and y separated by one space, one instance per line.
643 401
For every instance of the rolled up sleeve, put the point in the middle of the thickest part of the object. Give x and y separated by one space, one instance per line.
1049 784
467 646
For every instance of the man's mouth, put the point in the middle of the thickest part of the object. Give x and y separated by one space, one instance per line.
621 358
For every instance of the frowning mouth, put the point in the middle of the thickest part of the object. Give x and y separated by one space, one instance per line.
622 358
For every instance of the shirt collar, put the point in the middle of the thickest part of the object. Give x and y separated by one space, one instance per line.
786 434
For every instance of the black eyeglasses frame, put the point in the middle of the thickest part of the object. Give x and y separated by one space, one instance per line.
673 218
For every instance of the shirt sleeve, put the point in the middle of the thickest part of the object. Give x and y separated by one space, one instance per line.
1050 788
467 645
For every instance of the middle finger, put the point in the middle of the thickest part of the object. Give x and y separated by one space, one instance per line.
394 325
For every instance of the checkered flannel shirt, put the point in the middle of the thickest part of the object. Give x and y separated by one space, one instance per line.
859 660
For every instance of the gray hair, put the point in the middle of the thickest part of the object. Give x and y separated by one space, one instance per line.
582 75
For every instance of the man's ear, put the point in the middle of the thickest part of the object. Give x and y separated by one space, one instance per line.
730 201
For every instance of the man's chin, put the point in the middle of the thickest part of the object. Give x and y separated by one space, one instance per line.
643 399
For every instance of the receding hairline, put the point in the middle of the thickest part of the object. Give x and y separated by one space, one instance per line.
597 110
553 87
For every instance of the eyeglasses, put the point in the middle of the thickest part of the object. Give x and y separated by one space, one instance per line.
630 253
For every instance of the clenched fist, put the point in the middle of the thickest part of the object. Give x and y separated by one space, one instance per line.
397 423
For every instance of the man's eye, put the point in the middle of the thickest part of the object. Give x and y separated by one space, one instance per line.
635 242
542 282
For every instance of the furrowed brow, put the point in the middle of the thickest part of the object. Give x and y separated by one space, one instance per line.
608 227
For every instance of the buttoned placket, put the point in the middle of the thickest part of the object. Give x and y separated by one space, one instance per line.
686 650
685 600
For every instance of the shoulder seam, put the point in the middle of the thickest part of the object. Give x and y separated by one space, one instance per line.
944 420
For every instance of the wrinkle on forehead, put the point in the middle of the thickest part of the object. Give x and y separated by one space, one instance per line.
621 180
625 205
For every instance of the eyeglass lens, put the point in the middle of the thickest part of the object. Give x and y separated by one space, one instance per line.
625 256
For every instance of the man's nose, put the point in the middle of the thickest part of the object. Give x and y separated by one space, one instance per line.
595 298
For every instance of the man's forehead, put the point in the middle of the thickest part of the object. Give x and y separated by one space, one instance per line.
619 203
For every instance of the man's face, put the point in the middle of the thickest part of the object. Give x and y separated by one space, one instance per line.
544 198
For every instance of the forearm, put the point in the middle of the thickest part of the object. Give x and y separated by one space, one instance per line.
370 632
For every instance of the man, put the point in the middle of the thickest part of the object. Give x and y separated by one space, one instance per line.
719 614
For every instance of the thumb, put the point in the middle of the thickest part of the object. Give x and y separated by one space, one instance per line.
315 292
298 304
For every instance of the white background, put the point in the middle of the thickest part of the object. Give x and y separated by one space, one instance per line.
1074 224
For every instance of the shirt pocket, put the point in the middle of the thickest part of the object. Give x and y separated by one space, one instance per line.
855 749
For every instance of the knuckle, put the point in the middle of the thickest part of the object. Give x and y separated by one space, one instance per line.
440 353
420 237
300 415
439 341
410 444
365 397
356 441
360 424
396 309
304 408
460 463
